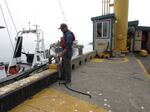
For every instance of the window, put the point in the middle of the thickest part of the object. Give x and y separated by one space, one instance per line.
102 29
105 29
99 29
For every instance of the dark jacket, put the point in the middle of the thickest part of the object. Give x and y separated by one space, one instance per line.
69 41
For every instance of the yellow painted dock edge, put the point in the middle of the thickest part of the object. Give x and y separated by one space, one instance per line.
52 100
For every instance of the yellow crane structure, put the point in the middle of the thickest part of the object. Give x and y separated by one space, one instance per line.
121 25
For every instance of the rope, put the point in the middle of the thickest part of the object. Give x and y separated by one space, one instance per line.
62 11
12 19
7 28
10 15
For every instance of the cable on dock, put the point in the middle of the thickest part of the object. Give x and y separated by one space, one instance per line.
77 91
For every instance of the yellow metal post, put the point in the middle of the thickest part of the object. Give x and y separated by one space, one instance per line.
121 24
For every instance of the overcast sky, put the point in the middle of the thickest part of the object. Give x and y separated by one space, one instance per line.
48 15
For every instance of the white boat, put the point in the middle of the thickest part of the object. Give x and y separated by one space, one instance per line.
35 60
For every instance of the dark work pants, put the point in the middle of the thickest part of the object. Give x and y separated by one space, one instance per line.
66 69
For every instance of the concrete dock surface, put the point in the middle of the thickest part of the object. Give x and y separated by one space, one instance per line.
115 84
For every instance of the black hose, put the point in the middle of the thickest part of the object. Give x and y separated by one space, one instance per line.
90 96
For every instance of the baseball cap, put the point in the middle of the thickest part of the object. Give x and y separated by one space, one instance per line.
63 25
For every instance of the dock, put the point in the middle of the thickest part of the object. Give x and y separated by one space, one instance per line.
115 84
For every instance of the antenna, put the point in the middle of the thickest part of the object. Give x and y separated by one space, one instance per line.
29 26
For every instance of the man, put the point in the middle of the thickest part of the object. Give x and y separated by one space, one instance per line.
66 54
